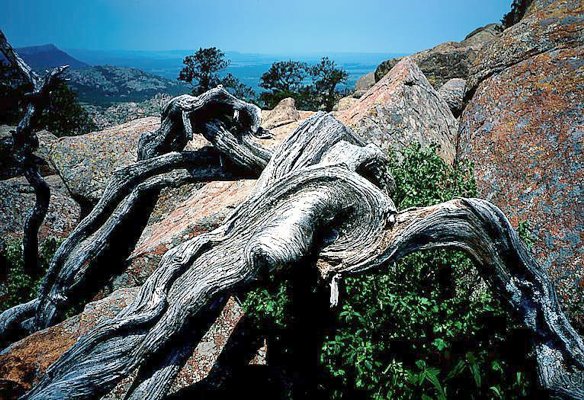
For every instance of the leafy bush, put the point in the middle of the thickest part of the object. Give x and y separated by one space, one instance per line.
427 327
16 286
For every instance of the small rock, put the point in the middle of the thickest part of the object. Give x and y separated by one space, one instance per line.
345 103
453 93
284 113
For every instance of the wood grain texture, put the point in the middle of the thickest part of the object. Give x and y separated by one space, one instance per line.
322 199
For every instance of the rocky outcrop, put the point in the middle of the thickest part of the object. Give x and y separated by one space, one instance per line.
87 161
403 108
363 84
559 25
453 93
17 198
22 365
448 60
523 131
282 121
172 222
345 103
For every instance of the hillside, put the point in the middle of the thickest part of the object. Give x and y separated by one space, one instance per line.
48 56
104 85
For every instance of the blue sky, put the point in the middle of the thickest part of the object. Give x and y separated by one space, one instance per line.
252 26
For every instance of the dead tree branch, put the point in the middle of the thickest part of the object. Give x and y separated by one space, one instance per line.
323 200
25 143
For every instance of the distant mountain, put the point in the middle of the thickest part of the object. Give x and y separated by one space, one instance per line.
105 85
48 56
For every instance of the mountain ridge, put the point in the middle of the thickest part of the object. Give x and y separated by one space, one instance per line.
48 56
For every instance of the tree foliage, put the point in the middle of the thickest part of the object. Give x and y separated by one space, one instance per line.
518 9
312 87
427 328
202 70
326 76
63 116
16 286
284 79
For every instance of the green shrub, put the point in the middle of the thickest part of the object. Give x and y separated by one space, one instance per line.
427 327
18 287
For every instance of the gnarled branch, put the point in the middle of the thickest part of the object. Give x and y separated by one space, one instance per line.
324 202
25 143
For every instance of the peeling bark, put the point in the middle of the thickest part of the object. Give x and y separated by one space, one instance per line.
323 199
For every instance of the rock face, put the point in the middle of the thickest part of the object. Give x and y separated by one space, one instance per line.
173 222
447 60
22 365
282 121
345 103
545 27
453 93
523 129
363 84
86 162
403 108
17 198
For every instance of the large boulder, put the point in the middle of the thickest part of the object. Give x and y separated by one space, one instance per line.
523 129
179 215
86 162
24 362
17 198
447 60
546 26
401 109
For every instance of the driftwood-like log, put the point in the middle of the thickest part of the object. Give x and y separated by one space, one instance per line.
322 200
100 244
25 143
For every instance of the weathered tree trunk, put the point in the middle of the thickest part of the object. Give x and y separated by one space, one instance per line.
100 244
322 200
24 144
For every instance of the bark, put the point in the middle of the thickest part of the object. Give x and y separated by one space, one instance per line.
322 200
25 143
98 247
